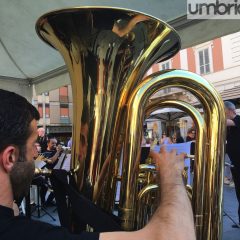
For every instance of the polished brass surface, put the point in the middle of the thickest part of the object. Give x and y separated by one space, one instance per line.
208 172
42 172
201 128
107 52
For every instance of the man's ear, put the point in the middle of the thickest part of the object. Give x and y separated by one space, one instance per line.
9 156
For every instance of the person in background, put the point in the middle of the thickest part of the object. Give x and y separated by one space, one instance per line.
233 149
52 153
174 138
18 133
191 136
69 144
42 139
165 139
179 138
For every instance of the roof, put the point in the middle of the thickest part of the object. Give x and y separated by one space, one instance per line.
24 57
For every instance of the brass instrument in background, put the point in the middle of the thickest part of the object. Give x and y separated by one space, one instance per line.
107 52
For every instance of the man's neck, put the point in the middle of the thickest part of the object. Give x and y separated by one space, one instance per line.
6 196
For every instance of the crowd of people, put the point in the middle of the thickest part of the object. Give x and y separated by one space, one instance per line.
174 138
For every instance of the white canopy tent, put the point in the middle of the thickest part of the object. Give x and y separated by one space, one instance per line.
26 61
166 114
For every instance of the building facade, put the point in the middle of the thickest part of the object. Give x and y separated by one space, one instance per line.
55 108
217 60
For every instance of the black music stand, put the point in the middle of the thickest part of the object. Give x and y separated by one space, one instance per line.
39 207
227 215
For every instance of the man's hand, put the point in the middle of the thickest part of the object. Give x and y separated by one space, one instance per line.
169 164
59 148
173 219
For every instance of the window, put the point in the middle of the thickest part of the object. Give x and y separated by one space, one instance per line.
47 110
64 110
63 94
63 91
40 109
165 65
204 61
167 90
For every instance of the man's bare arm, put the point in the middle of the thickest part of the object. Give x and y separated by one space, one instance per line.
173 218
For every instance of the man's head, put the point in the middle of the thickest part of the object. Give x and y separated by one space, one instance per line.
230 109
41 132
52 144
18 133
191 133
38 149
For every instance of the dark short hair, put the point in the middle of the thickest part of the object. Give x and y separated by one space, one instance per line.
50 137
16 114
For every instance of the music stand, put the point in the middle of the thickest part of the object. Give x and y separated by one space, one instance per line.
227 215
227 164
39 207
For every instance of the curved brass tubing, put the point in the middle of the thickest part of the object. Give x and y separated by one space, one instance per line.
107 52
212 162
199 170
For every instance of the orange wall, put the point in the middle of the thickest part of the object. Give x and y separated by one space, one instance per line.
176 61
155 67
191 60
217 55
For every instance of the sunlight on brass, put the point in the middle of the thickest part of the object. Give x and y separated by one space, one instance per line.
42 172
209 159
108 51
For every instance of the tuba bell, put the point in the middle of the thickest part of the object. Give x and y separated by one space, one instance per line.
108 51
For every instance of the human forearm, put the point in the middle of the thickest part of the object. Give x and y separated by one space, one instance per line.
54 158
173 219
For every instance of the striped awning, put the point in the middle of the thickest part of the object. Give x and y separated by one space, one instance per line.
231 93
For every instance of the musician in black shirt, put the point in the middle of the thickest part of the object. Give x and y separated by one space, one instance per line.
18 133
52 153
233 149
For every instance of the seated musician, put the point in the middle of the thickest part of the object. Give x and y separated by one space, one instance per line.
18 132
53 152
51 157
40 180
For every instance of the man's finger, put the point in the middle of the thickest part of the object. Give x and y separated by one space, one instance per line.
182 155
163 149
173 151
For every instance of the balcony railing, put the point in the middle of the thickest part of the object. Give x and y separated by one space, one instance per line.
65 120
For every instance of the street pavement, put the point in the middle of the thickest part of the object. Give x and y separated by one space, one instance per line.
230 210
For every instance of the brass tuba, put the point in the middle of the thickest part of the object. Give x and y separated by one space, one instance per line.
107 52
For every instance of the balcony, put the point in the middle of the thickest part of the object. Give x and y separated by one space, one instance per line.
65 120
